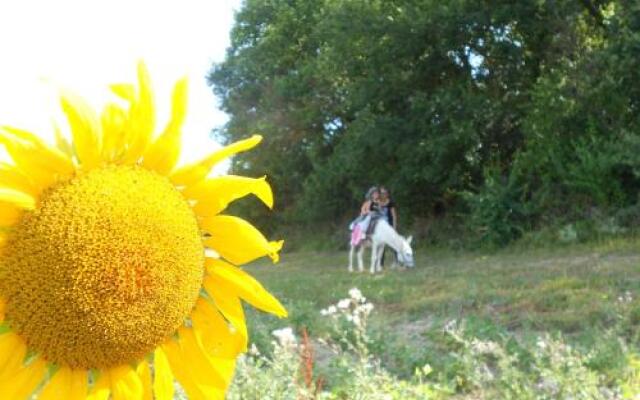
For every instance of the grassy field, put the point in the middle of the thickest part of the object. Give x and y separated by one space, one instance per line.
588 293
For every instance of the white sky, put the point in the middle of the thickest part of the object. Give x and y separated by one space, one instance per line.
85 45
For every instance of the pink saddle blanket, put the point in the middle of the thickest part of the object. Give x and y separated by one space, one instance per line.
356 235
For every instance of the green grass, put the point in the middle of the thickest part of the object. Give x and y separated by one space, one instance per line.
520 292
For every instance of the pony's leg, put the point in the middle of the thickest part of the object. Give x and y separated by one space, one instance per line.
374 258
379 258
360 261
351 259
394 264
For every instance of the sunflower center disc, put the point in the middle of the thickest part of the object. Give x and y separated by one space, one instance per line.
106 268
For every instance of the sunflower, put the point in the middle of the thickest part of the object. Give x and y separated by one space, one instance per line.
118 275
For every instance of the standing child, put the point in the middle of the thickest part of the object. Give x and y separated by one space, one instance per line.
388 210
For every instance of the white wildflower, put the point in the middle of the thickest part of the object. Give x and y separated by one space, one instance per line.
328 311
253 350
451 326
484 347
367 308
285 337
625 298
344 304
541 343
356 294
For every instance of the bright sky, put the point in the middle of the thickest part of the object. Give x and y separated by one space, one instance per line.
85 44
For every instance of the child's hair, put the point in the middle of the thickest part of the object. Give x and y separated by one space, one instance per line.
370 192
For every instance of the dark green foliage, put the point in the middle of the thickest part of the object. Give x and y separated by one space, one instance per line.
497 212
583 124
425 96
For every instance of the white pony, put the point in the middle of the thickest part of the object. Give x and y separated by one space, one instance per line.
383 235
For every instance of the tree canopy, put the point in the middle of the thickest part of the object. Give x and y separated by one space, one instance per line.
507 113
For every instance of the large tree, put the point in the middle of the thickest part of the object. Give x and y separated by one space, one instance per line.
421 95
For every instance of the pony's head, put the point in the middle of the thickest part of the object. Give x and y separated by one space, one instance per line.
405 255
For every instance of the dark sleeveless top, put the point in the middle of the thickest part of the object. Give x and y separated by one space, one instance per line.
386 211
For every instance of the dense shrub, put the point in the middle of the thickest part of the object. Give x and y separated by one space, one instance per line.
497 212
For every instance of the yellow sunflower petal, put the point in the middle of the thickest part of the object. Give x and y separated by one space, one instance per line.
20 134
244 285
79 385
62 143
12 203
163 154
18 199
114 125
223 366
9 371
33 159
172 351
190 174
49 157
23 381
229 305
214 195
12 353
85 129
125 383
9 214
125 91
226 367
11 177
238 241
101 389
181 369
202 369
163 378
141 118
217 338
66 384
58 386
144 373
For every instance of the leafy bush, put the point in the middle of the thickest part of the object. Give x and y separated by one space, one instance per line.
551 369
497 212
